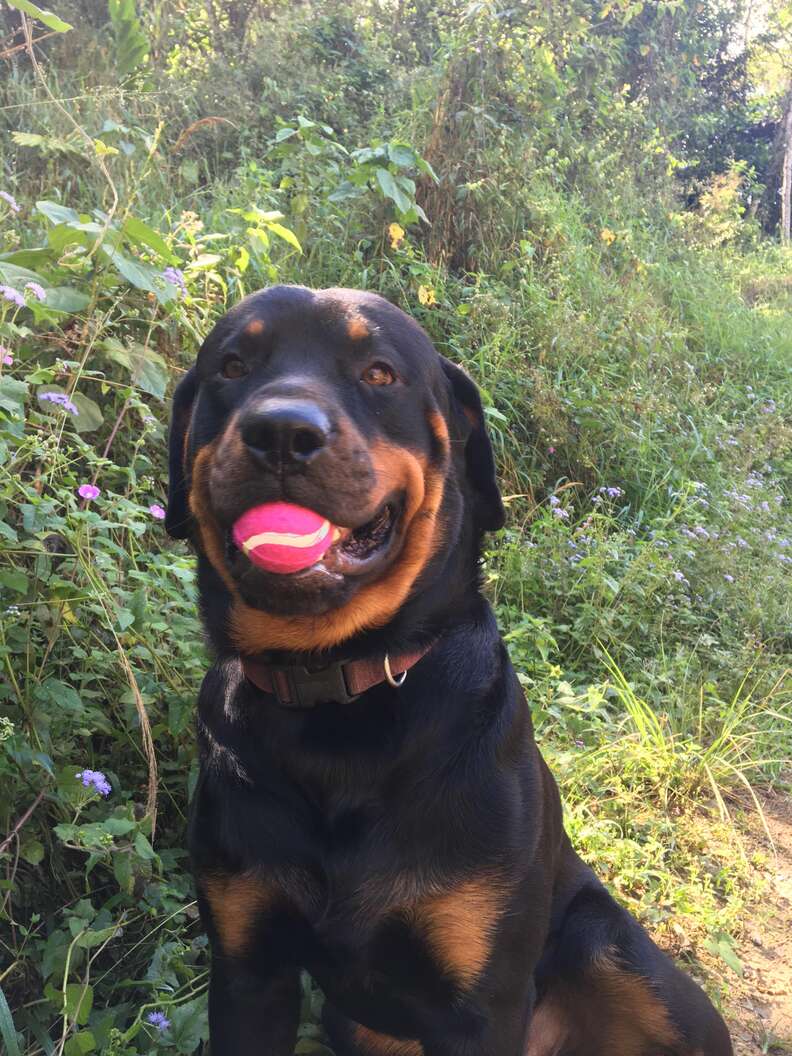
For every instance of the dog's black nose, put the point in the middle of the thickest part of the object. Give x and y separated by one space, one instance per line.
281 432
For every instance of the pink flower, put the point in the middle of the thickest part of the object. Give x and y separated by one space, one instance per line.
5 357
157 511
88 491
551 450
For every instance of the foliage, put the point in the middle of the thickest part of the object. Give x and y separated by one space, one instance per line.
511 176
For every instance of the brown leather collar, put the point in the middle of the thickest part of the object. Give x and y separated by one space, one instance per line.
295 686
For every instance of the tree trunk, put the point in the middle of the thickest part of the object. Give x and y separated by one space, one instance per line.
786 175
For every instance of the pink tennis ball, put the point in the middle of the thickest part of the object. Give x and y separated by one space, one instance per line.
280 537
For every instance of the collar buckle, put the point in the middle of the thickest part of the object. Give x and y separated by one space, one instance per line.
296 686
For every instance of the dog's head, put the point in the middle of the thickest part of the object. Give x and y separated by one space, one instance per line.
331 408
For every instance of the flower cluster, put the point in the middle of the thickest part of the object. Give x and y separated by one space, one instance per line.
96 780
158 1020
557 508
176 278
13 204
61 399
10 294
157 511
36 290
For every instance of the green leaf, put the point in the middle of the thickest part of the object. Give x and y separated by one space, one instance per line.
144 848
391 190
12 396
50 21
204 261
17 277
89 415
402 155
122 871
32 850
65 299
14 580
140 234
118 826
132 44
286 235
722 946
79 1044
92 938
345 190
78 1002
139 275
7 1030
8 532
148 370
27 258
57 213
189 1025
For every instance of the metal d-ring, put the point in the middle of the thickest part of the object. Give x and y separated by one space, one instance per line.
389 674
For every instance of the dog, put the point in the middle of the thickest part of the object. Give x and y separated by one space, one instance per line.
371 805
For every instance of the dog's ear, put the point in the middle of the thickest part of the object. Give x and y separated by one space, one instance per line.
177 519
479 459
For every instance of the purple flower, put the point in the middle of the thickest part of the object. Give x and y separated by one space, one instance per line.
176 278
95 779
36 290
562 515
612 493
728 578
551 450
554 500
158 1020
5 357
88 491
579 743
10 294
156 511
13 203
61 399
680 577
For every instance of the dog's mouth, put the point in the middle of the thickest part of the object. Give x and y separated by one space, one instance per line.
359 551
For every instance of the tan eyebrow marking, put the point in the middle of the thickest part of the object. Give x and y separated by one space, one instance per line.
357 328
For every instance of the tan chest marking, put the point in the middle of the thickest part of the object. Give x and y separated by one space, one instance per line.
459 926
373 1044
237 903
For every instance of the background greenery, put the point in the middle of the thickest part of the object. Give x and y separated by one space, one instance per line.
578 202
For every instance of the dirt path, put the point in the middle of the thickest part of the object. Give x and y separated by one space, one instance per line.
761 1009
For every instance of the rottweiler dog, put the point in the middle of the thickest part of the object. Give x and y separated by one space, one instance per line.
372 806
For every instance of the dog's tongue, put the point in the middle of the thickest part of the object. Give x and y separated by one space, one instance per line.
280 537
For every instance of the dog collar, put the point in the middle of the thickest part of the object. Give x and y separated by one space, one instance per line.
296 686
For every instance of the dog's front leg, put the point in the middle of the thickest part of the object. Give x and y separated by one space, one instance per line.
254 988
250 1013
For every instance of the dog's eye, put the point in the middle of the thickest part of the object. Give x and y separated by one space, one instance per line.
233 367
378 374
